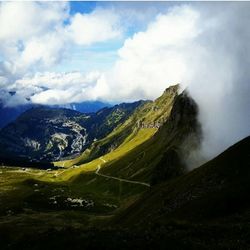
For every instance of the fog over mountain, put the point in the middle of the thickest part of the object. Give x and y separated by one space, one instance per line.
203 46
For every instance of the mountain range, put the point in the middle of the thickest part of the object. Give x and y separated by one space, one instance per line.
9 114
121 178
48 134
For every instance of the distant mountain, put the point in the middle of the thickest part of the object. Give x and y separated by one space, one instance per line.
86 107
9 114
49 134
44 133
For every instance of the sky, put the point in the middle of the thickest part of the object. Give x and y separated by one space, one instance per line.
65 52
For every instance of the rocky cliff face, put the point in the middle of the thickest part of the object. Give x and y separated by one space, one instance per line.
182 135
44 134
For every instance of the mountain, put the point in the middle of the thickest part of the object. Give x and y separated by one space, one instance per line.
143 122
9 114
44 133
130 188
86 107
161 157
207 208
217 189
203 209
156 136
48 134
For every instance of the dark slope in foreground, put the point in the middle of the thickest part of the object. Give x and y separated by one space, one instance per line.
218 190
208 208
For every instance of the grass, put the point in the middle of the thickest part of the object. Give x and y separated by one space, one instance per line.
39 201
128 145
149 113
35 187
215 192
48 191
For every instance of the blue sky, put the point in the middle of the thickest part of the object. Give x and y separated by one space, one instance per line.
99 56
102 56
82 7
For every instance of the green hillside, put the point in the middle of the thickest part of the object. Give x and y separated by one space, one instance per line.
136 195
217 189
49 190
203 209
149 116
181 133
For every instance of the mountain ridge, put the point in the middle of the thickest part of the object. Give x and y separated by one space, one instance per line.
47 134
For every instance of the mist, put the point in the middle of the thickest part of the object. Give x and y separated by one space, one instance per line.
219 76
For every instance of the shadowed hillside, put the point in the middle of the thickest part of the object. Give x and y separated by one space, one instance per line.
49 134
207 208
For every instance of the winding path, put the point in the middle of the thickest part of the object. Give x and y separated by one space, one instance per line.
118 179
107 176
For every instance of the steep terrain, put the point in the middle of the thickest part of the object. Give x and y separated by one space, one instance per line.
9 114
161 157
216 190
44 133
49 134
135 194
147 118
207 208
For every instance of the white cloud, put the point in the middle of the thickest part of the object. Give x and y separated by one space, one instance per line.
97 26
30 35
57 88
36 36
19 20
152 60
205 47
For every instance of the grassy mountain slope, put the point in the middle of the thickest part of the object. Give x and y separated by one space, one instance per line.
84 207
218 190
151 161
148 117
207 208
82 180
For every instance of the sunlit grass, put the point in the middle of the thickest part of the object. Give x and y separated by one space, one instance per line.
73 170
